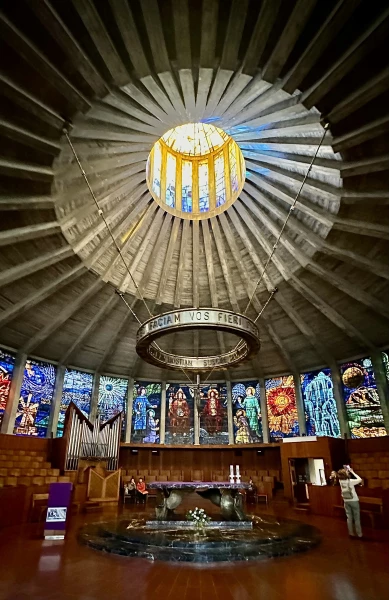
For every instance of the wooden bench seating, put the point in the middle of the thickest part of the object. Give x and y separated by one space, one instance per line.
369 506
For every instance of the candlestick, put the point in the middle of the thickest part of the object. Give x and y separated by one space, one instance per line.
237 474
231 473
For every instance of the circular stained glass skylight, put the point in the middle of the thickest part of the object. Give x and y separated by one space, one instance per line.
195 171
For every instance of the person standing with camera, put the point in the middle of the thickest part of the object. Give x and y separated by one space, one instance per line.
351 500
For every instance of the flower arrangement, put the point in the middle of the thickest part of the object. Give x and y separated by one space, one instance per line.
199 517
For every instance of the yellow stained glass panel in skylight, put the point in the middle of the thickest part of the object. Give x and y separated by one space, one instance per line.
195 139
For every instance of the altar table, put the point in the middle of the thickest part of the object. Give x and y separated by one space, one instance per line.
221 493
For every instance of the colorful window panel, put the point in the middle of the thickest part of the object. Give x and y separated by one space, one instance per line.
220 182
186 190
385 360
233 170
319 403
7 362
246 411
203 187
179 426
170 196
146 412
281 407
213 414
157 169
36 396
77 388
364 412
112 397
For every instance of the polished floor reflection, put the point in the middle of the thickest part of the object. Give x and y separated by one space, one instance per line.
339 568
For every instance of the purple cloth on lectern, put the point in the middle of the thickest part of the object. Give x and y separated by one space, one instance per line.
59 498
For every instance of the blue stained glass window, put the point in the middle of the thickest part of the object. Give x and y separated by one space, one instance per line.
247 412
385 360
36 395
170 180
364 412
179 414
77 388
220 183
281 407
7 362
112 397
186 189
213 414
146 412
233 170
320 404
203 187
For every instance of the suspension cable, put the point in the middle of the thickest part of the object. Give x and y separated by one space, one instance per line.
100 212
291 209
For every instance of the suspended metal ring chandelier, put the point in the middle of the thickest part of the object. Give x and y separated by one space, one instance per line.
197 319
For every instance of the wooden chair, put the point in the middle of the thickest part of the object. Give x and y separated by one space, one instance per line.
38 505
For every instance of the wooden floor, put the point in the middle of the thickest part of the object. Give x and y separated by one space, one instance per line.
339 569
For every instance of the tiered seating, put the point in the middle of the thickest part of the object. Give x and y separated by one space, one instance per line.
29 468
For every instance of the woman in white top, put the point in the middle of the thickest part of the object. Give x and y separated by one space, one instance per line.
351 501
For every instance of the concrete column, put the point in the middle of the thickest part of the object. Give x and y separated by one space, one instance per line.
229 414
56 404
382 385
162 421
8 423
130 400
95 397
263 404
340 405
300 404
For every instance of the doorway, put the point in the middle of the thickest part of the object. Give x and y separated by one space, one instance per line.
299 476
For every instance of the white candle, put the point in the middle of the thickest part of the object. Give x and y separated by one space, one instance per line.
231 470
237 471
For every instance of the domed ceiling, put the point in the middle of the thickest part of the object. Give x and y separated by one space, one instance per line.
117 75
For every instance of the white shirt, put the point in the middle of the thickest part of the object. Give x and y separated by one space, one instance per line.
349 484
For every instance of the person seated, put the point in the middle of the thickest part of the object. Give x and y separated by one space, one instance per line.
333 480
130 490
251 492
141 490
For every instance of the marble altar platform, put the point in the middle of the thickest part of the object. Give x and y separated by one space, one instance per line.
269 538
224 494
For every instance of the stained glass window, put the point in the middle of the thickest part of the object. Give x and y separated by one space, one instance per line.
179 427
320 404
385 360
233 170
203 187
77 388
112 397
195 139
247 412
186 186
157 169
146 412
220 182
213 414
281 407
36 396
364 412
7 362
171 180
191 155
